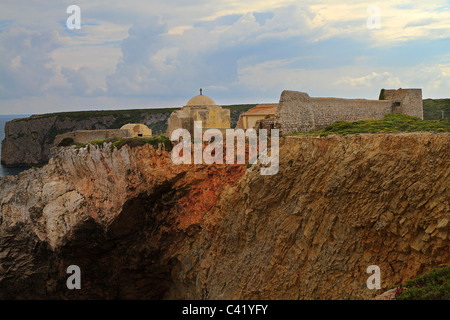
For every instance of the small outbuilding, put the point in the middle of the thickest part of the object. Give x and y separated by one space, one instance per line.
129 130
247 120
137 129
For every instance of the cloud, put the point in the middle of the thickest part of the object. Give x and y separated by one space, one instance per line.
26 64
153 51
77 80
371 80
157 62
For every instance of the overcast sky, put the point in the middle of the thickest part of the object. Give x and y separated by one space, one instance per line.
151 54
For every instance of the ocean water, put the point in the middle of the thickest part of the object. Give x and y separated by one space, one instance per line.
4 171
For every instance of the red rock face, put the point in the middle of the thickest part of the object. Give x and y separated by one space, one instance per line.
140 227
120 216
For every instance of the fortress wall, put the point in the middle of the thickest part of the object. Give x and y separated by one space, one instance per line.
298 112
329 110
295 112
240 123
412 104
410 101
86 136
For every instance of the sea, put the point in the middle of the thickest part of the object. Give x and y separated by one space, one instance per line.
4 171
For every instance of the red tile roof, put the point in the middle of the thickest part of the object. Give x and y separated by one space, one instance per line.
262 110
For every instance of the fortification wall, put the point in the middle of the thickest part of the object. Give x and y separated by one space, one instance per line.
240 123
409 100
412 103
86 136
329 110
298 112
295 112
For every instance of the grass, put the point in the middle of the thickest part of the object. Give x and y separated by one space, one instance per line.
120 117
433 108
118 142
382 94
391 123
83 115
66 142
128 114
434 285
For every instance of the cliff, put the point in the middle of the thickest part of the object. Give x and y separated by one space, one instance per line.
139 226
28 141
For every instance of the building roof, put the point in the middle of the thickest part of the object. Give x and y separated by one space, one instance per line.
200 100
137 128
262 110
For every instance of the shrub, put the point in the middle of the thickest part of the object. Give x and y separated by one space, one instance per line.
118 142
434 285
133 142
66 142
391 123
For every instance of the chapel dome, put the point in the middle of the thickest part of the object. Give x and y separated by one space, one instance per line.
201 100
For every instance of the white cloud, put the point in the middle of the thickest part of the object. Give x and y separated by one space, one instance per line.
371 80
156 51
347 82
26 64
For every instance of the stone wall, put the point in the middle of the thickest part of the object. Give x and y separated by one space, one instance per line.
298 112
240 122
295 112
410 101
137 129
413 104
86 136
329 110
28 141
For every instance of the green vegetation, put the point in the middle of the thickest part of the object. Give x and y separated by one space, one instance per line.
52 133
66 142
83 115
236 110
434 285
239 107
118 142
382 94
158 127
127 114
432 109
121 117
391 123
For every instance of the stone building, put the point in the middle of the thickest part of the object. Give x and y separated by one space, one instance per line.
297 111
137 129
129 130
199 108
260 112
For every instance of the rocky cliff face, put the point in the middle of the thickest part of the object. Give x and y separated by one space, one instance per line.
139 226
28 141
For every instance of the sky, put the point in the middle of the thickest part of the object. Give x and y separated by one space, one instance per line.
154 54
